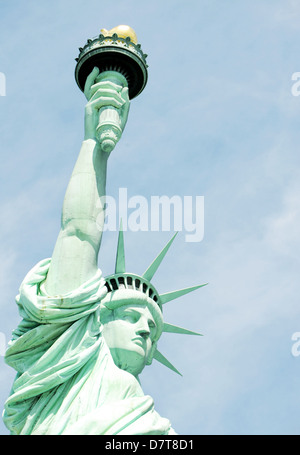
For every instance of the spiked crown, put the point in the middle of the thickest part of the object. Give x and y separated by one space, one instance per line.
125 288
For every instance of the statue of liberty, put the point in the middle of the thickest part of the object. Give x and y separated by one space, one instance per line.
84 339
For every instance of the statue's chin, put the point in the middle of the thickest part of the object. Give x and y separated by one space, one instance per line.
131 361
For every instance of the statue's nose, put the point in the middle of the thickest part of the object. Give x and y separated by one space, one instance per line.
144 333
143 328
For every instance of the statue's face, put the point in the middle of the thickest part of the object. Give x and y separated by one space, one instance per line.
129 334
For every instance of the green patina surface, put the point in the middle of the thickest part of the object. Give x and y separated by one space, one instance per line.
81 345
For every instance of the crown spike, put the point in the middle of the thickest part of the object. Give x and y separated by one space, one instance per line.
120 259
168 296
162 359
175 329
148 274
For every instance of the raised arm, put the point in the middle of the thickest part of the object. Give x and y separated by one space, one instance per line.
75 255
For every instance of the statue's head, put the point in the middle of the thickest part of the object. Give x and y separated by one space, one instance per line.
130 335
131 314
132 321
131 331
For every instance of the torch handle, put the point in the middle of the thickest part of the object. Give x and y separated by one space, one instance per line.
109 129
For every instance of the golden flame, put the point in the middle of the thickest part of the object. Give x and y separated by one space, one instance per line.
123 31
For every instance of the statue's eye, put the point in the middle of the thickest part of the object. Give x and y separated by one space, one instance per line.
152 327
130 317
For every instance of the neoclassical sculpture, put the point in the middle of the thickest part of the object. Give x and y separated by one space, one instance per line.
84 339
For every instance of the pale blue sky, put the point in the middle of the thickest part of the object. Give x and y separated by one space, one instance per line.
216 119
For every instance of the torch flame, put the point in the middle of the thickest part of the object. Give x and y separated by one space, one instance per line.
123 31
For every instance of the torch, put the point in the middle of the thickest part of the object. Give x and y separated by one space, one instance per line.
121 60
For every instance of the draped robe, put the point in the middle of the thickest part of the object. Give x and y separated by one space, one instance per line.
67 382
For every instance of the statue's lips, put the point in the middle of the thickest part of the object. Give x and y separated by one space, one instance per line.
140 341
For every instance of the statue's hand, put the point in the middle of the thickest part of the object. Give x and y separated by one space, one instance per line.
100 94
